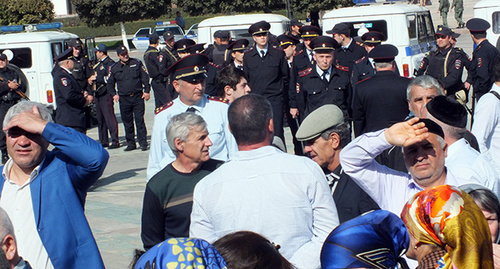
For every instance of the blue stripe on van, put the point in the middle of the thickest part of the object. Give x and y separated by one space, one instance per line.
141 38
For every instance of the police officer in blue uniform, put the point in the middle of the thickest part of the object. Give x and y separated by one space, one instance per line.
132 88
70 98
323 83
153 62
445 63
267 72
483 57
105 113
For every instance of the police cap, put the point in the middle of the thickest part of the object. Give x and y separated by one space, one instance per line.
183 44
101 48
443 31
341 29
198 48
309 31
239 45
296 22
318 121
259 28
75 42
286 40
65 55
323 44
373 38
477 25
168 35
432 127
455 35
189 68
222 34
383 53
448 110
153 38
121 50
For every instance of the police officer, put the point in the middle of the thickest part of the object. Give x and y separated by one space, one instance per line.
323 83
445 63
295 26
82 72
11 91
481 72
180 48
444 7
71 100
267 72
212 70
237 49
132 86
217 53
302 60
106 119
348 50
168 53
153 62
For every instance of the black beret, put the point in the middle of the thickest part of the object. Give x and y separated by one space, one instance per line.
323 44
121 50
309 31
153 38
444 31
75 42
240 44
373 37
189 68
183 44
65 55
383 53
198 48
259 27
432 127
448 110
340 28
286 40
477 25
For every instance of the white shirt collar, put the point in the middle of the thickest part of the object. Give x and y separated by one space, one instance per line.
8 166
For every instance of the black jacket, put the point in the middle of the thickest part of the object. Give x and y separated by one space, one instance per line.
130 78
69 99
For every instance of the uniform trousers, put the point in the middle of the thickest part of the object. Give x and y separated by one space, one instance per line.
132 107
106 119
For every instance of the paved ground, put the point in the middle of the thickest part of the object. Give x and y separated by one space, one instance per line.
114 204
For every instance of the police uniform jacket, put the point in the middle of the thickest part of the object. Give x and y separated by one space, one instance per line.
317 92
168 56
346 57
380 102
69 99
6 95
131 78
267 76
210 88
218 54
152 62
434 65
102 71
82 71
481 71
300 63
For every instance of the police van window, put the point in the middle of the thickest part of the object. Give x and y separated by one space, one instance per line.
57 48
22 57
175 30
379 26
425 29
411 21
495 19
144 32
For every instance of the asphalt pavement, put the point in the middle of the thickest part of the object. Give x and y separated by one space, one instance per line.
114 203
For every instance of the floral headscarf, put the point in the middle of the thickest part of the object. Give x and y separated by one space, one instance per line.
448 217
184 253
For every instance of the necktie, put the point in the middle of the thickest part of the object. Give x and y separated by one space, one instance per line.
191 109
324 76
239 67
263 53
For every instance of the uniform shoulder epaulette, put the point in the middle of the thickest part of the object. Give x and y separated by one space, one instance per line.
299 52
360 44
305 72
360 60
250 50
214 65
163 107
278 48
218 99
364 80
342 68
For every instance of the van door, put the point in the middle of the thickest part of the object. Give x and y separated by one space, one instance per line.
89 45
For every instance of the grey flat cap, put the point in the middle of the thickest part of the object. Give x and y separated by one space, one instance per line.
318 121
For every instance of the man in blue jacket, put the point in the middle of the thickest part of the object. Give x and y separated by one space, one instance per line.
44 191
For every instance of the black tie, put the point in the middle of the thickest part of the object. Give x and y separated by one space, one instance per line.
240 67
324 76
191 109
263 53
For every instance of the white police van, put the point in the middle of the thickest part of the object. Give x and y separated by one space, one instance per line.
408 27
490 10
32 49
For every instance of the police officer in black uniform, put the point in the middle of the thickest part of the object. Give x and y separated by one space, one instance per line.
153 61
217 53
106 119
323 83
363 68
483 57
11 90
132 88
180 49
302 60
71 100
348 51
237 49
444 63
267 72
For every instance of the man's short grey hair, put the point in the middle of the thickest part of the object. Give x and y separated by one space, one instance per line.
5 224
343 132
383 64
181 125
25 106
426 82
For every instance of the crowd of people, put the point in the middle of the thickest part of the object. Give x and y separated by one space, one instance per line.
413 189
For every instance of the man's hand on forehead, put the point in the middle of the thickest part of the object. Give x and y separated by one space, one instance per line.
406 133
30 121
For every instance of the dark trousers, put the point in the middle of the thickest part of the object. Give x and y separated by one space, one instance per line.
106 119
132 107
4 107
277 105
160 92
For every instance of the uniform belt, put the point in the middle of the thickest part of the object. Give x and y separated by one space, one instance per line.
131 95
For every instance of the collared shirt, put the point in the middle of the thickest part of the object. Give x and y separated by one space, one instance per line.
390 189
22 265
215 115
347 47
283 197
309 54
321 71
264 49
468 165
16 200
486 126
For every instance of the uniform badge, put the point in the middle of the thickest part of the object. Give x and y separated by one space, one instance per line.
64 82
297 87
479 62
160 58
422 64
458 64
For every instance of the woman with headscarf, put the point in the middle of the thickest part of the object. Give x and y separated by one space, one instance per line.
376 239
447 230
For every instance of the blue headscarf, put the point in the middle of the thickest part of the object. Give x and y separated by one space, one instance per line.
376 239
182 253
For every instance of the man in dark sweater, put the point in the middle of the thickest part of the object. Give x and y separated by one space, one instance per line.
168 198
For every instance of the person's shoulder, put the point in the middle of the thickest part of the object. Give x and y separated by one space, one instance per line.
217 99
162 178
164 107
211 165
135 61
